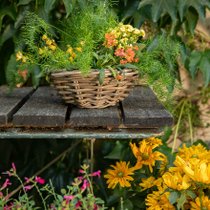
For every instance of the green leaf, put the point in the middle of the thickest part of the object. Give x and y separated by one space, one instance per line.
127 205
181 5
8 11
194 61
181 201
11 71
198 5
116 153
48 5
205 68
8 33
129 66
101 76
173 197
191 20
23 2
191 194
69 4
161 8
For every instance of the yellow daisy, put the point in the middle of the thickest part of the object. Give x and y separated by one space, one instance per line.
176 180
153 142
197 204
145 155
158 201
199 172
147 183
194 152
120 174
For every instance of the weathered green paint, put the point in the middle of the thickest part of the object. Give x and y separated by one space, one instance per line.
72 134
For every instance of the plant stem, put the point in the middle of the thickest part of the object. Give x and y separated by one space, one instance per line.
177 126
47 166
200 197
22 186
43 201
191 128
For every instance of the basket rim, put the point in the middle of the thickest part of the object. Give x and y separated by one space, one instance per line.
93 71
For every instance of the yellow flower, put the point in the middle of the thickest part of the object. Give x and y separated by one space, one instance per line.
147 183
199 172
176 180
44 37
19 56
82 43
153 142
69 50
79 49
142 33
41 51
163 166
49 42
158 201
145 155
120 174
194 152
71 59
52 47
197 204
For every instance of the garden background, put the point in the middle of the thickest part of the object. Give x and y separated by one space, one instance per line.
186 21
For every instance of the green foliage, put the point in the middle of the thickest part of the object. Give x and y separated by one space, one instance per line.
172 16
78 195
164 13
11 71
12 14
88 26
200 61
159 65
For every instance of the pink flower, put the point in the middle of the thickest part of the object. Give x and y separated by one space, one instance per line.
28 187
96 173
52 206
8 207
1 195
68 198
27 179
78 204
6 183
85 184
39 180
81 171
95 207
14 167
80 178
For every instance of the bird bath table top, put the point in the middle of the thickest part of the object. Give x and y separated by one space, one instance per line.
40 114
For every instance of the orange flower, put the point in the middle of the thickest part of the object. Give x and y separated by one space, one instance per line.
23 73
129 55
110 40
120 52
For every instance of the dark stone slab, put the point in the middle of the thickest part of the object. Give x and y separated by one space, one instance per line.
44 109
141 109
108 117
11 102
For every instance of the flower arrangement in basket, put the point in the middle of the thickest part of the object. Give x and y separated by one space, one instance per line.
92 59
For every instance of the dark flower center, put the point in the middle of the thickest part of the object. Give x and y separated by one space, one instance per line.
120 174
145 156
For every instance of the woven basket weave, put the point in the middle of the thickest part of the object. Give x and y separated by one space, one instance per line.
87 92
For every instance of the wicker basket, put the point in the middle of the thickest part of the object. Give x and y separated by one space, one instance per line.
87 92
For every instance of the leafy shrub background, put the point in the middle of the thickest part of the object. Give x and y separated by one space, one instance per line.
176 17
